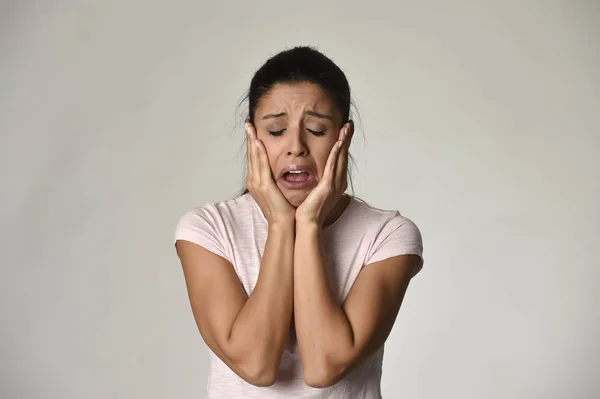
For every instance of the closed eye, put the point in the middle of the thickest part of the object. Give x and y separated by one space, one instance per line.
318 133
277 133
315 132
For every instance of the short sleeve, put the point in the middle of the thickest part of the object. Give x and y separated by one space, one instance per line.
398 235
203 226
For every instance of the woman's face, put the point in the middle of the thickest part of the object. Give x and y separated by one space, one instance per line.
298 124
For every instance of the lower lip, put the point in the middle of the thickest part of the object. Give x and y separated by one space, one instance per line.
292 185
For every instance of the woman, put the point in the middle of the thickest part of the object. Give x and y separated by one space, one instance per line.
295 285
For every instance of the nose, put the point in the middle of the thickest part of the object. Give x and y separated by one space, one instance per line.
296 145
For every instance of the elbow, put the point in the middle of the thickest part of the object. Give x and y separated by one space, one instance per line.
257 364
323 376
317 382
259 375
320 380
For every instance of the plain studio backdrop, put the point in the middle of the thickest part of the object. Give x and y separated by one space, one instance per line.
479 122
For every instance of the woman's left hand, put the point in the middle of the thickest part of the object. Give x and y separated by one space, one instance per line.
323 198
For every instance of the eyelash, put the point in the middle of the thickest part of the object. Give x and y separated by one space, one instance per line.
280 132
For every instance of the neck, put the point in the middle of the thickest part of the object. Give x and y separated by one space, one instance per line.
337 210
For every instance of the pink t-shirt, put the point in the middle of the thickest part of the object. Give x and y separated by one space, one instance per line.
236 230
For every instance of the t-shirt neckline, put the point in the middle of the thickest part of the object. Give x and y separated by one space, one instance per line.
324 229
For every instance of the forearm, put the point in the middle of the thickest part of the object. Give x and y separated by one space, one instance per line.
260 330
322 328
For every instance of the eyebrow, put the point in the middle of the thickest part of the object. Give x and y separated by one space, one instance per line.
311 113
270 116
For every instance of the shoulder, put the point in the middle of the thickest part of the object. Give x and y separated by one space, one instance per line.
214 224
214 219
391 233
217 212
383 219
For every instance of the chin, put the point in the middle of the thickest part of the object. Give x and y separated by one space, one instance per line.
297 197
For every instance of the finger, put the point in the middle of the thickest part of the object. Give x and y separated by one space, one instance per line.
256 164
346 137
350 132
257 159
330 165
342 161
256 174
249 145
342 166
265 168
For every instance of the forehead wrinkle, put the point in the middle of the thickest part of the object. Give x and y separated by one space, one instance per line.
296 102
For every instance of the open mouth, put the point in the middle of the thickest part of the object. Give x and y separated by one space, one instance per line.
297 180
296 176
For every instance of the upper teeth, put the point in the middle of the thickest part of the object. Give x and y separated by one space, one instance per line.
295 171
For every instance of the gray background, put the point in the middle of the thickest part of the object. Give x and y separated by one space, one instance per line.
481 123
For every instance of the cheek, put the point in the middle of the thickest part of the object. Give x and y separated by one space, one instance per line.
272 153
321 155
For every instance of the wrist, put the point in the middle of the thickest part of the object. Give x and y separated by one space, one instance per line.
282 225
308 225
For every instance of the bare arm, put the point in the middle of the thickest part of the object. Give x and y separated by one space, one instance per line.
333 340
246 333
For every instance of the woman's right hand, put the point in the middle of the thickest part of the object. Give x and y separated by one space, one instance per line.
261 185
